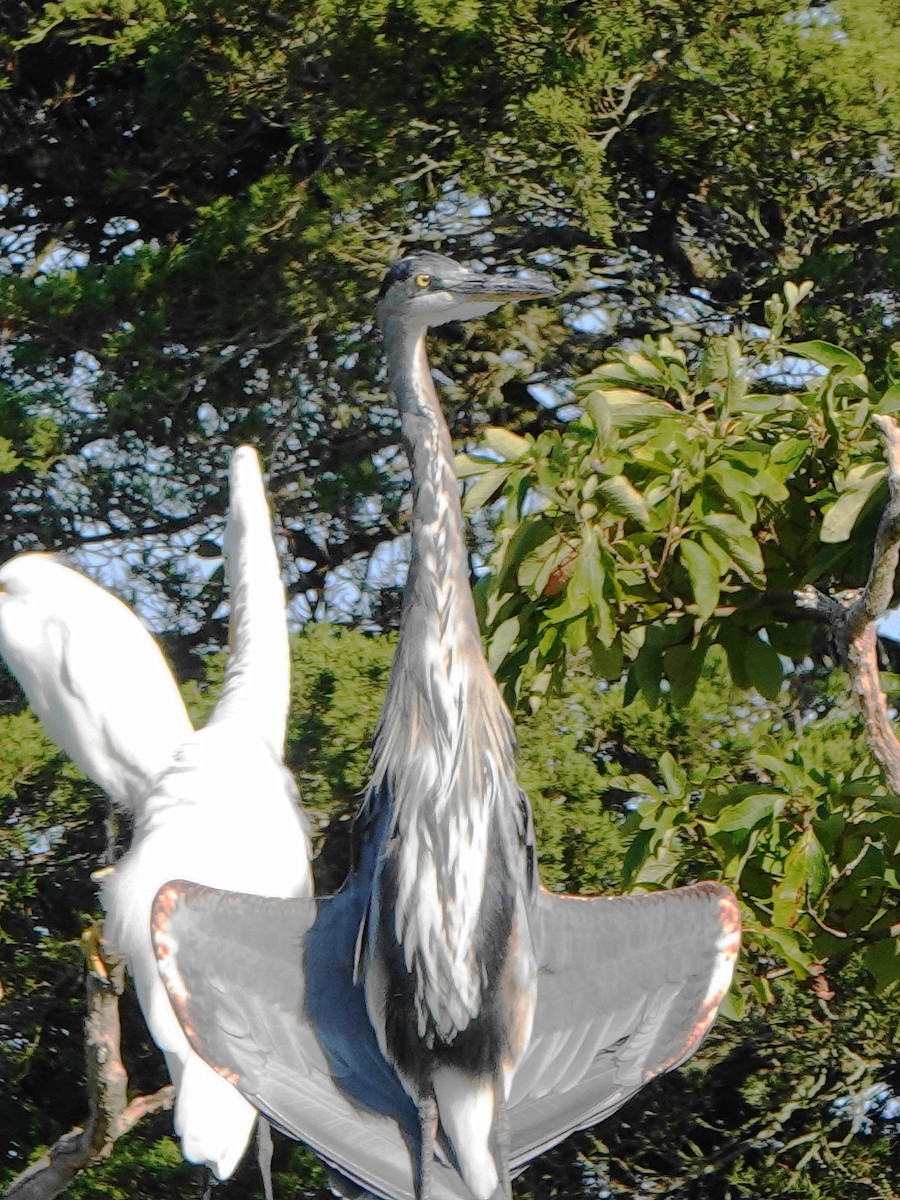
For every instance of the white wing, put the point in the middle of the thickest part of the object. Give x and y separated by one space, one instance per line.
226 813
92 674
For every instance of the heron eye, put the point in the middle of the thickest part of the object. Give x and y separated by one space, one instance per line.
423 281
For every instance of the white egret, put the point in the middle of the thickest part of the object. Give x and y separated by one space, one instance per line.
225 813
216 806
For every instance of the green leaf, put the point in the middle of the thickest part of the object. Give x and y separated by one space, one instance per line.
484 489
598 408
466 465
624 499
828 355
607 661
789 944
645 676
588 577
636 854
531 533
734 1006
502 641
535 570
749 812
703 574
684 665
571 604
674 778
771 487
786 456
576 634
622 408
859 484
604 623
763 666
889 402
510 446
805 875
736 537
841 517
883 961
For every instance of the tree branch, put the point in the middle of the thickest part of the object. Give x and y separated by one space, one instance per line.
110 1113
852 618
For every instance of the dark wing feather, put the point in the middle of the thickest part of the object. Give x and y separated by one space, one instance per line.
627 988
236 968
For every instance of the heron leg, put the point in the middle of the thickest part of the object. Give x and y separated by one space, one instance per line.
502 1141
211 1182
427 1133
264 1155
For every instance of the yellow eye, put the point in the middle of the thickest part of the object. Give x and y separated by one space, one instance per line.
423 281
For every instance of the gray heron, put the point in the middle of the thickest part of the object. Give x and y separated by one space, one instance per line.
443 1018
217 805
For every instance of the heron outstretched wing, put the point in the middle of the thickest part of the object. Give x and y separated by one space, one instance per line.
628 987
236 968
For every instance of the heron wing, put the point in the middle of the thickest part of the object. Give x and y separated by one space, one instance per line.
239 972
627 988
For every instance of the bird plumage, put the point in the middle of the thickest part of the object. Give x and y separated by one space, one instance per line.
446 960
225 813
216 806
92 674
510 1016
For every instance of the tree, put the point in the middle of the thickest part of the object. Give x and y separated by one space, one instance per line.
200 198
767 786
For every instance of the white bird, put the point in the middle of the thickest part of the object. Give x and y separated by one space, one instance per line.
93 675
226 813
216 806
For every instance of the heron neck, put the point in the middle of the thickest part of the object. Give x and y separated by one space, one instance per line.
438 591
256 691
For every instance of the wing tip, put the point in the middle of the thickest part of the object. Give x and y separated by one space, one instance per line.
165 944
169 900
727 948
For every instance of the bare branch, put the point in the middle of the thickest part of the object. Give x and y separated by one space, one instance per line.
144 1106
852 618
53 1171
107 1081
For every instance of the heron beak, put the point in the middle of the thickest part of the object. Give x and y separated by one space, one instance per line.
497 289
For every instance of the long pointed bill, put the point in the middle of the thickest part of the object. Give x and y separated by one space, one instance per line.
497 289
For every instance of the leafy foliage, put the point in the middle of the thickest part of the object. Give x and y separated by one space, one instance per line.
198 199
772 1100
678 511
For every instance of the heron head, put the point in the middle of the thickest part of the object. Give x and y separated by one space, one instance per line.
429 289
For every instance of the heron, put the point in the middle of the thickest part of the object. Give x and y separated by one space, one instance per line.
443 1018
216 805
